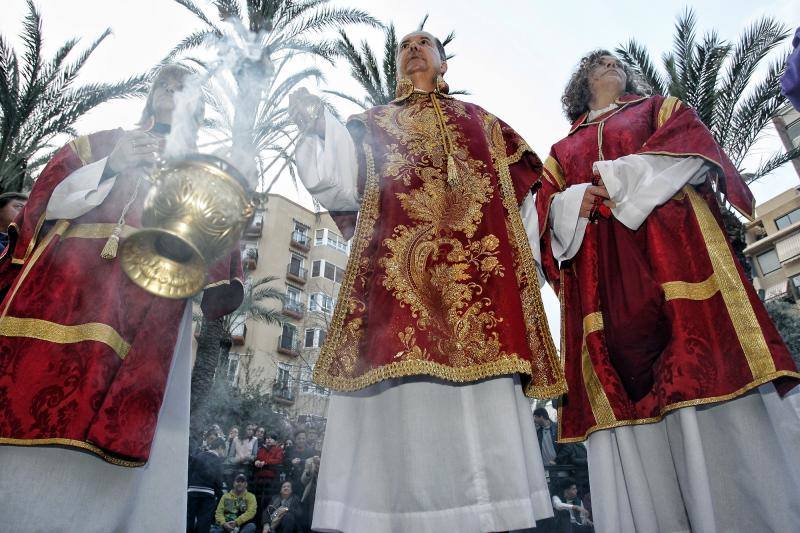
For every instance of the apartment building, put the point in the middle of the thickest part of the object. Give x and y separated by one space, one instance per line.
787 124
773 246
307 255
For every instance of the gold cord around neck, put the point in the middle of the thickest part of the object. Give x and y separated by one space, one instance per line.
447 142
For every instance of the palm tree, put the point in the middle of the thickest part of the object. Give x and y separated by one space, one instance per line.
216 337
378 81
274 32
38 99
717 79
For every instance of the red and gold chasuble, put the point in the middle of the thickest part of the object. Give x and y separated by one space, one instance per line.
662 317
441 280
85 353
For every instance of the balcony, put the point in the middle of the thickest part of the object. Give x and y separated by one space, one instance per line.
788 248
250 258
294 309
289 346
238 335
256 226
283 392
301 241
296 273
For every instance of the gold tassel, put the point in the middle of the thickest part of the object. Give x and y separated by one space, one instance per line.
452 171
110 249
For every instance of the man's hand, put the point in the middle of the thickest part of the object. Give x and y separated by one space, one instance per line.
306 110
135 149
589 198
296 461
259 464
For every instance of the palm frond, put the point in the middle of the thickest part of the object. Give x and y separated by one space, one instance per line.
756 41
773 162
363 104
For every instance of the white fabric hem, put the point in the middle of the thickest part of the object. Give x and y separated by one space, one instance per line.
336 517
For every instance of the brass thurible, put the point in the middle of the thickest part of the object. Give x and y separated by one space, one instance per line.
195 213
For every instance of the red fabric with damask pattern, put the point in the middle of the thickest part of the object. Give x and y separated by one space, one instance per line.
84 353
441 280
661 317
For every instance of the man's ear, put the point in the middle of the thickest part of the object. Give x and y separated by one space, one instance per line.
443 68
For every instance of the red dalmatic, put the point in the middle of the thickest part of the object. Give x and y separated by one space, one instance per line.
661 317
85 353
441 279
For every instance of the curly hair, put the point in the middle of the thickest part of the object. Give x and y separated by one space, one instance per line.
577 94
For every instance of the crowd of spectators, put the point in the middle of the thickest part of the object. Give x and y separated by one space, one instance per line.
252 481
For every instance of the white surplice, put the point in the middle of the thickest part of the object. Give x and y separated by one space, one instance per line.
58 490
730 467
420 454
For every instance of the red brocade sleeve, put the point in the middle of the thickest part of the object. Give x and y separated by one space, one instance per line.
524 165
552 183
680 132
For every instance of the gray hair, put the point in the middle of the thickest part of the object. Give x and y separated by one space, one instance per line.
577 94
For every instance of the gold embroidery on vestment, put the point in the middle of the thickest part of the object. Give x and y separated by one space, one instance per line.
702 290
601 407
34 328
740 310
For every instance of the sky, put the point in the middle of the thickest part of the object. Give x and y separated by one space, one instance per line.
514 57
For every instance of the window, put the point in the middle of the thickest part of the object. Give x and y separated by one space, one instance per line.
788 219
337 242
327 270
233 368
314 338
795 281
327 237
301 229
289 333
768 262
284 375
293 294
319 301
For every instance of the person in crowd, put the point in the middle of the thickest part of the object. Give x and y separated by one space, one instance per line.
11 203
790 81
267 465
261 434
439 319
230 443
96 369
295 460
284 512
547 433
676 374
205 486
571 515
309 481
246 448
236 509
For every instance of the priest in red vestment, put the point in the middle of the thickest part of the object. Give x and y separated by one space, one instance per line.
85 354
658 315
439 319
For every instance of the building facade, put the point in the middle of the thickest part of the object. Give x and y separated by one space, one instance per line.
307 255
773 246
787 124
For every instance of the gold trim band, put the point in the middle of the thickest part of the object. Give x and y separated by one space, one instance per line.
740 310
95 231
601 406
72 443
45 330
678 405
685 290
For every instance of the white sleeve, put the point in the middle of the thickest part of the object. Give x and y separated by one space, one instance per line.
80 192
558 505
640 183
530 220
328 168
567 226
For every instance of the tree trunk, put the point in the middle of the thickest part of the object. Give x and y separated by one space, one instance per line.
205 365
